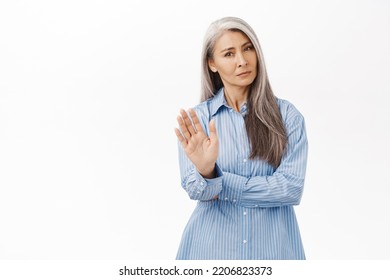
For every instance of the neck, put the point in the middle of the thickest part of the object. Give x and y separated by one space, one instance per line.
235 98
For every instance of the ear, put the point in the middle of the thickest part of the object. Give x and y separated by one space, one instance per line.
211 64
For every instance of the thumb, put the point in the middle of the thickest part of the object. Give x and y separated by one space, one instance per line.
213 130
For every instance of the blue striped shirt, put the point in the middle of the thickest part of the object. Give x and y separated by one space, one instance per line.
253 217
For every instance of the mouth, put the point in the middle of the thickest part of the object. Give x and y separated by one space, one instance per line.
244 73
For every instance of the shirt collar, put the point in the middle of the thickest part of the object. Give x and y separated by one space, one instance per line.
219 100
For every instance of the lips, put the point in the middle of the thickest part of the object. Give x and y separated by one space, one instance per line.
244 73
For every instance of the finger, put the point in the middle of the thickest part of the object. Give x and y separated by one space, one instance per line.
213 131
183 128
195 120
187 122
182 140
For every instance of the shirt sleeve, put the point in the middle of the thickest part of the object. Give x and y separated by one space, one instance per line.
284 186
197 187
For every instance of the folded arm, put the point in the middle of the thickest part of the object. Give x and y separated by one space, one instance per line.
283 187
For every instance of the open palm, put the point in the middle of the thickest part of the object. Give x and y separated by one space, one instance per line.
201 149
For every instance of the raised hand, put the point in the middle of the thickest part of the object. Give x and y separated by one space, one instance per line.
201 149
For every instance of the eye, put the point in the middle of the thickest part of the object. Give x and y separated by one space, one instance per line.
228 54
248 48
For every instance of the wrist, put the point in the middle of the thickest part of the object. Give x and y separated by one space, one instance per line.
208 173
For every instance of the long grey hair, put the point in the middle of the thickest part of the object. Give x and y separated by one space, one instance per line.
264 125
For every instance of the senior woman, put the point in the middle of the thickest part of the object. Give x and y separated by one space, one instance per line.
242 155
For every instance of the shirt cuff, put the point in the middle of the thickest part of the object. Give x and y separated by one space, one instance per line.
209 188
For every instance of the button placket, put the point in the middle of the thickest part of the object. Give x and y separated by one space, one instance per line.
245 231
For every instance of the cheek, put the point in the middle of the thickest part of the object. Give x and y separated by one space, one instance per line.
253 58
227 68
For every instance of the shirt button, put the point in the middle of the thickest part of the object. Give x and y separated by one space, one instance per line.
226 198
245 213
244 241
245 160
201 183
234 200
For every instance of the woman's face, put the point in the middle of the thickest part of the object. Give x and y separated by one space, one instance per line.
235 59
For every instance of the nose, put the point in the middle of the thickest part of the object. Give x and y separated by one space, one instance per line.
241 61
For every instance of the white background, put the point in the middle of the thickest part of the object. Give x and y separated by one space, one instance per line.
89 93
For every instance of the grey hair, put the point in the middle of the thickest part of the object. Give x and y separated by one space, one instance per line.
264 120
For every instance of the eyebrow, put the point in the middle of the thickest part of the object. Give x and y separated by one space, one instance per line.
232 48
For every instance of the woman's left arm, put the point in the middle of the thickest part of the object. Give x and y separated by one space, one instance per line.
284 186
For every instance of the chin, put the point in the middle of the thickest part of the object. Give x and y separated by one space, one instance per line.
247 82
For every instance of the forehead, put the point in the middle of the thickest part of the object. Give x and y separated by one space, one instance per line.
231 39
